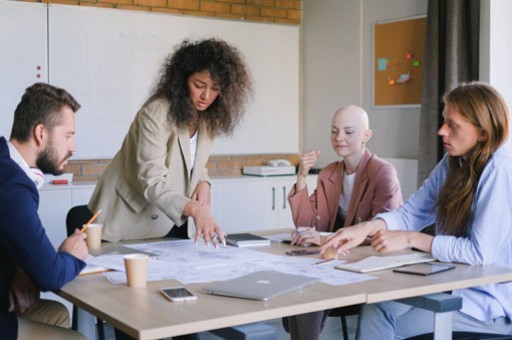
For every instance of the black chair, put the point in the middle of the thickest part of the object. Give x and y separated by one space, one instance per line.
342 313
75 219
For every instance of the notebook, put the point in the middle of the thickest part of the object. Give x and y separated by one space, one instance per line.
247 240
375 263
262 285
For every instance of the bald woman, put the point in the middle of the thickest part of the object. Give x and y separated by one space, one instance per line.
353 189
350 190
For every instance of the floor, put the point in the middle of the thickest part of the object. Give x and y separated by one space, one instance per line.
332 330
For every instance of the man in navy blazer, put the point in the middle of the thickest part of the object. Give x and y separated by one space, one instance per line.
41 142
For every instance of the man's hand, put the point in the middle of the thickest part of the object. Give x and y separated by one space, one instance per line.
23 293
349 237
386 241
75 245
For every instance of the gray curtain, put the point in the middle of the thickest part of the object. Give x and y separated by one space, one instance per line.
451 57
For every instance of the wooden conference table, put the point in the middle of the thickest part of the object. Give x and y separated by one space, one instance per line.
145 314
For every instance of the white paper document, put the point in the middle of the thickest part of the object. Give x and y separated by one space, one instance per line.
184 261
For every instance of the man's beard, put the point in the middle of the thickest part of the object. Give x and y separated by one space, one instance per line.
48 163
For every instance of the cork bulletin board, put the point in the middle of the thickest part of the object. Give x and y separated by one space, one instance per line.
399 50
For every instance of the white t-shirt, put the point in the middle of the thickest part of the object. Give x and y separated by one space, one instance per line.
193 150
348 188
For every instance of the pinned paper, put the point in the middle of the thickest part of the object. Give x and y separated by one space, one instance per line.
403 78
382 64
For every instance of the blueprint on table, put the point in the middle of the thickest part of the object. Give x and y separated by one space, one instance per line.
186 262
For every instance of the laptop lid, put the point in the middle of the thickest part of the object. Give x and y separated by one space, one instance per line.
262 285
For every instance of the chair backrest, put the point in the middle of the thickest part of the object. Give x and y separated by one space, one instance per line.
76 217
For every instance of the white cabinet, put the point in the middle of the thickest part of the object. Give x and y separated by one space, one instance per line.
253 203
238 203
23 54
54 204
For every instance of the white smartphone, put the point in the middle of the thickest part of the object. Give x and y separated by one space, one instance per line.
177 294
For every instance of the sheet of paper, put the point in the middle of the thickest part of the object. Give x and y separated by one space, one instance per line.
188 263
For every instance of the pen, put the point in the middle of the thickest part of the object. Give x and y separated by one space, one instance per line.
90 221
324 261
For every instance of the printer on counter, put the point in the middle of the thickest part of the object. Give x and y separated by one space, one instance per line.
275 167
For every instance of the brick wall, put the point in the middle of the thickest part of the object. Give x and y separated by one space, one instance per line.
226 165
279 11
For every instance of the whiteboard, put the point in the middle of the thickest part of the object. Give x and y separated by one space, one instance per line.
23 54
109 60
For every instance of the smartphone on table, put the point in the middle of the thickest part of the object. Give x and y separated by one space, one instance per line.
302 252
424 269
178 293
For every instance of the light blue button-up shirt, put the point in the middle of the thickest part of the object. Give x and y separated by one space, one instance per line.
489 239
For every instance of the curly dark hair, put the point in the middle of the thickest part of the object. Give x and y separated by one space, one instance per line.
226 67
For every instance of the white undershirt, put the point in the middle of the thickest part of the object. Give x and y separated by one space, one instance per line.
193 150
34 174
348 188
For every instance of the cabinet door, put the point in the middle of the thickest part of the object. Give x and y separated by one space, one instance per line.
245 205
283 188
283 211
23 54
53 207
81 195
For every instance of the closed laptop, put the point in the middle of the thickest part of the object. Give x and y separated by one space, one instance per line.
261 285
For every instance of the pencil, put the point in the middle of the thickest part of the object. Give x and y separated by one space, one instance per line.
90 221
324 261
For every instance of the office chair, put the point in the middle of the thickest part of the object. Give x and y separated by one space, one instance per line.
342 313
76 217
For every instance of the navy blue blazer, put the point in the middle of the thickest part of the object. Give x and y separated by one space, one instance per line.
23 241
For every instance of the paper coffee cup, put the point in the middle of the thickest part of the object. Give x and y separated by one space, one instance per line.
93 232
136 266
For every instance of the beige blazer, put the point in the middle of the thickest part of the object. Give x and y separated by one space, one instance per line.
143 192
376 190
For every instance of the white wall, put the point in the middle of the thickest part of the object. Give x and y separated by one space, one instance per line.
495 65
331 67
337 71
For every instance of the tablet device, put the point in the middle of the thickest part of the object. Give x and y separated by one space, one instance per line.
424 269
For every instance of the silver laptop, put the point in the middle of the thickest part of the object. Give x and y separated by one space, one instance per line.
262 285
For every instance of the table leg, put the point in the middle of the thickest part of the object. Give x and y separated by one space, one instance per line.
86 324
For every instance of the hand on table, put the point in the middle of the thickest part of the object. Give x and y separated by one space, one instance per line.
306 236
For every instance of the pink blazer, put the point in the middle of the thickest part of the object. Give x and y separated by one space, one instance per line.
376 190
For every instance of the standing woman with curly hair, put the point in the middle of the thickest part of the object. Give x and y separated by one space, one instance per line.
159 177
469 197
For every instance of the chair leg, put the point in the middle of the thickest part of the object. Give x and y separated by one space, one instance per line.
74 319
344 327
101 329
